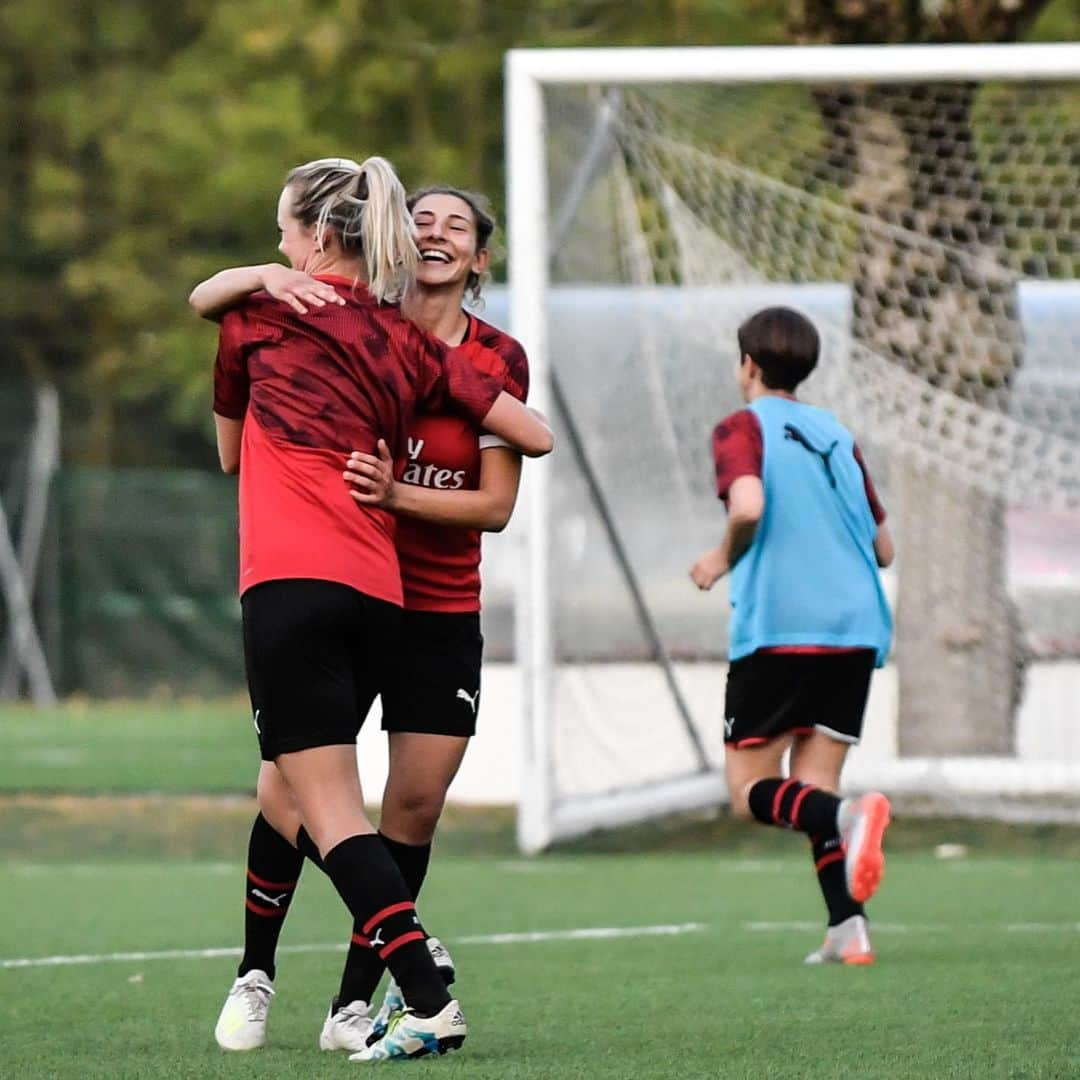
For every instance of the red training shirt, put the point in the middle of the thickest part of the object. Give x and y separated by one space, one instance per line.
738 450
310 388
440 564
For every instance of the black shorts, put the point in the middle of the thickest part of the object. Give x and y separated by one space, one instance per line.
316 653
774 694
435 686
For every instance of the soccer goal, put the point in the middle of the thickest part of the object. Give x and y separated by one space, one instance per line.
920 203
30 444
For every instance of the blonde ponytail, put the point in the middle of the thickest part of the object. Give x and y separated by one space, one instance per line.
365 205
387 231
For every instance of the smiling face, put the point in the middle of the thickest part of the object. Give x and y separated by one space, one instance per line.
297 240
447 238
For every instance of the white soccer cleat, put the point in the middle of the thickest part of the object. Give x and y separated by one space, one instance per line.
846 943
862 823
393 1002
347 1027
412 1036
443 961
242 1023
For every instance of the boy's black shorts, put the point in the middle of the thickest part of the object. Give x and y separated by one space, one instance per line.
434 687
315 652
772 694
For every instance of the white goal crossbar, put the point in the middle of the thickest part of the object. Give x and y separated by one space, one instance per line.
531 247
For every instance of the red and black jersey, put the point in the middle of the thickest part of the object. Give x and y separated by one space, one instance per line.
311 388
440 564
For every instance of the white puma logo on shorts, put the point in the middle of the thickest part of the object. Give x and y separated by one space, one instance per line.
472 699
377 940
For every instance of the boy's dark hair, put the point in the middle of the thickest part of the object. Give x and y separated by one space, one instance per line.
783 343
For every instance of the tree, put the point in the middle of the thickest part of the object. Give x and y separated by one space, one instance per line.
945 308
143 147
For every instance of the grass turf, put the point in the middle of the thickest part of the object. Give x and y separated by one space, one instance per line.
977 955
976 961
165 746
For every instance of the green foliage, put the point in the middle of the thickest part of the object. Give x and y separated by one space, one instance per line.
146 145
142 147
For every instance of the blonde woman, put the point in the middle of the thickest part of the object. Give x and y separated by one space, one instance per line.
296 386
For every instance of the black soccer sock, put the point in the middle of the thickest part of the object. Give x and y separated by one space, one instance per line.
363 965
412 860
828 853
791 804
273 870
368 880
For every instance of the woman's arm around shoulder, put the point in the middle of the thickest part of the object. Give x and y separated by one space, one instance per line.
228 288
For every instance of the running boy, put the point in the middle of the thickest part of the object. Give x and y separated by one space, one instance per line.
809 622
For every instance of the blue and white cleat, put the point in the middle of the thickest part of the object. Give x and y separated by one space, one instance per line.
411 1036
443 960
393 1005
393 1002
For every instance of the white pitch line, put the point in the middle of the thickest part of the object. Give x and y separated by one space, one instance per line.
925 928
581 934
586 934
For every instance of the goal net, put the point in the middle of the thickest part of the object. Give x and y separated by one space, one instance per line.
920 205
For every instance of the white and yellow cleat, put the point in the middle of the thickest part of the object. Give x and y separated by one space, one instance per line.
347 1027
845 943
242 1023
412 1036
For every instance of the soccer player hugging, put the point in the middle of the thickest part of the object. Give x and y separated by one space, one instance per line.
804 541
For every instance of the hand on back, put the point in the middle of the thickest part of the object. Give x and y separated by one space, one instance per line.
298 289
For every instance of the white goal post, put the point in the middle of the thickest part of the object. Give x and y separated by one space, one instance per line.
537 225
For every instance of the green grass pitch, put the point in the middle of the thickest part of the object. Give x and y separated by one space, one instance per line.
977 971
976 974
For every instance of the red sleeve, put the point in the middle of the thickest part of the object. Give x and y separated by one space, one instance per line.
737 450
451 379
515 363
517 370
506 358
231 384
871 494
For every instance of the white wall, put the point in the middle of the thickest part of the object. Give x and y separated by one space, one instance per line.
1048 731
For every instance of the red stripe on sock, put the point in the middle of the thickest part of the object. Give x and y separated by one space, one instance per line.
393 909
269 912
404 939
825 860
263 883
798 802
359 939
780 791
